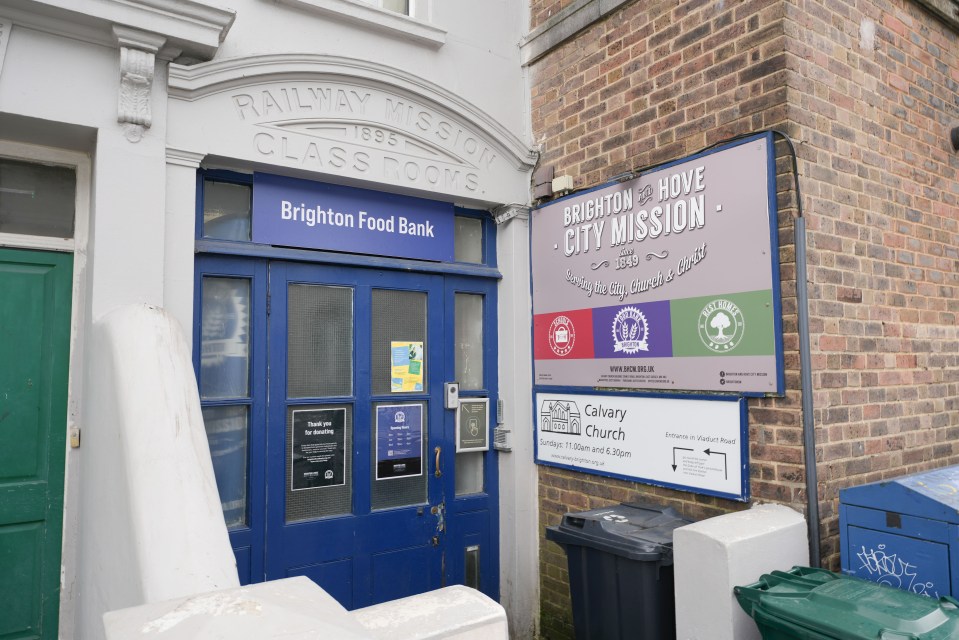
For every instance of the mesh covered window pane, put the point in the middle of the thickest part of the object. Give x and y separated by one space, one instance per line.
470 466
398 316
228 431
469 340
399 464
319 439
225 338
468 240
400 6
227 210
319 341
37 199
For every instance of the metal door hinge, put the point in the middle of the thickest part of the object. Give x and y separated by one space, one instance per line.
75 437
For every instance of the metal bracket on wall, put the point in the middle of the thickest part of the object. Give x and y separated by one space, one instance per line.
509 211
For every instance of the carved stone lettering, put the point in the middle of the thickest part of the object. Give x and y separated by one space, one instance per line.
360 131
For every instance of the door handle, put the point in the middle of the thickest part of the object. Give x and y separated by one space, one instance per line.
437 471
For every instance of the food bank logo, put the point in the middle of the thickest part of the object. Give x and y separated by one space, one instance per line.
630 331
721 325
562 335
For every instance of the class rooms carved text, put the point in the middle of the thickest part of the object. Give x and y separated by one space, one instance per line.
383 133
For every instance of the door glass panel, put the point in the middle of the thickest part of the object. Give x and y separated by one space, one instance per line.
468 240
227 429
318 467
400 6
225 338
469 472
399 462
226 210
319 341
469 340
398 338
37 199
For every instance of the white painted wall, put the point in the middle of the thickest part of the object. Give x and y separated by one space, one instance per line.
479 60
151 523
139 249
60 80
54 78
80 84
51 78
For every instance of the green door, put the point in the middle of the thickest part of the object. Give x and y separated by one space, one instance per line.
35 291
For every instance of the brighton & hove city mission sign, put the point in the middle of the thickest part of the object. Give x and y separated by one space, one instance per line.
666 281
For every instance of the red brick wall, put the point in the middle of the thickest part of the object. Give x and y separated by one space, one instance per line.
874 114
870 111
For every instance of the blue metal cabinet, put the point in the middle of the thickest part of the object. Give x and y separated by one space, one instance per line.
904 532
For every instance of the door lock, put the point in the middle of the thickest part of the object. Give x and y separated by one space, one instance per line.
440 512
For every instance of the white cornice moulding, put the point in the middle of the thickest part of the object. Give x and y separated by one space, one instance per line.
184 158
136 39
375 18
190 83
194 27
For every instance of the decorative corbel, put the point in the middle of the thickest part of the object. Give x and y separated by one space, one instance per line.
138 52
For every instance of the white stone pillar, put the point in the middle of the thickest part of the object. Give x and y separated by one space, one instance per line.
178 253
714 555
519 518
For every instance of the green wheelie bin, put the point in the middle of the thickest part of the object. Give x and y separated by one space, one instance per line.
812 604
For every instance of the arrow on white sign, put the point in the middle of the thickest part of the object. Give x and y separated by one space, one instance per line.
718 453
674 455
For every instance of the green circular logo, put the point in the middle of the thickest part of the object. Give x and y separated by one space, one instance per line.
721 326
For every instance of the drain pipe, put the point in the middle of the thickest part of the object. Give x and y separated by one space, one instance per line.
805 368
808 424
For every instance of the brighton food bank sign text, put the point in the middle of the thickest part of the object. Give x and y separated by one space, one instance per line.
667 281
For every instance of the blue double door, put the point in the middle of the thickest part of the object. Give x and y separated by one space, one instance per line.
353 478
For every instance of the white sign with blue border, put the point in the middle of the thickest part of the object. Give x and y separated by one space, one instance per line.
291 212
399 441
688 443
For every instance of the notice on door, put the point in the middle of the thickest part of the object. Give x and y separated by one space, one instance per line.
472 425
406 361
319 455
399 441
695 444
